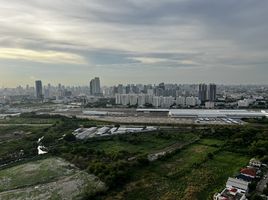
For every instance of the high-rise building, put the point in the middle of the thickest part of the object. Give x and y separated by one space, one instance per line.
95 89
120 89
38 89
202 93
212 90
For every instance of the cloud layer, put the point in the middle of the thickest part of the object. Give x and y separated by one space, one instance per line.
171 40
40 56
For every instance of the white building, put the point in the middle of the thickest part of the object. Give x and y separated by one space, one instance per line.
149 98
133 99
240 185
141 100
243 103
180 101
191 101
150 91
230 193
118 99
124 99
166 102
209 105
156 101
255 162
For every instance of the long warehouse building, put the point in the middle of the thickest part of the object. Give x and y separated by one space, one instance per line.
205 113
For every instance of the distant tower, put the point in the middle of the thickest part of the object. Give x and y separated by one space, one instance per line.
95 89
202 93
212 92
38 89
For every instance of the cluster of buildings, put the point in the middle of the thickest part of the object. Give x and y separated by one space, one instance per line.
153 98
207 93
144 99
56 94
237 188
142 95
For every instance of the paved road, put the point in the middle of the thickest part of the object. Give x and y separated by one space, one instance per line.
38 125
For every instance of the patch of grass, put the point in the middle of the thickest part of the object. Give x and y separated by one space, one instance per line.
189 174
140 143
27 120
31 173
211 142
164 178
51 178
211 177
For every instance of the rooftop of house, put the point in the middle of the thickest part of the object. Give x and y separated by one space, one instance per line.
230 194
236 183
255 160
248 171
244 178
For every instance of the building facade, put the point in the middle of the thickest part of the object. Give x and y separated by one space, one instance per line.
38 89
95 89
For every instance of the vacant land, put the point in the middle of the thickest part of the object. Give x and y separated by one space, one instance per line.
189 174
27 120
142 143
201 160
45 179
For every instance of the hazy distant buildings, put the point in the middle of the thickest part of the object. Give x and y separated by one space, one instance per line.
212 91
38 89
95 88
202 93
180 101
207 93
141 100
209 104
243 103
191 101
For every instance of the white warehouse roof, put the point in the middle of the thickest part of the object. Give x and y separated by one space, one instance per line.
216 113
196 113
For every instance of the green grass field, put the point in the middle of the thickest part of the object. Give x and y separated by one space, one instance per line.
27 120
196 169
188 174
211 142
141 143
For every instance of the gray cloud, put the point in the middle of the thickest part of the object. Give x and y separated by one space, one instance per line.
183 34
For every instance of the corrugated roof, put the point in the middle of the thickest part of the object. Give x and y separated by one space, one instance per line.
236 183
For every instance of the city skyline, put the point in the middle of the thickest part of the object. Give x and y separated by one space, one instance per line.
87 84
222 42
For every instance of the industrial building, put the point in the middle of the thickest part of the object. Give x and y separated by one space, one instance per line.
204 113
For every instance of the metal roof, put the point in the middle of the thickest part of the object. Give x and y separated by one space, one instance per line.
216 113
236 183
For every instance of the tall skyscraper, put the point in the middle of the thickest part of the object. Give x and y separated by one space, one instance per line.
202 93
39 89
95 89
212 92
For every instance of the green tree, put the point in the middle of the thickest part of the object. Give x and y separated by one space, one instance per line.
69 137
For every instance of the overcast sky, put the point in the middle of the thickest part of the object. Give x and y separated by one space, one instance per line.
133 41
